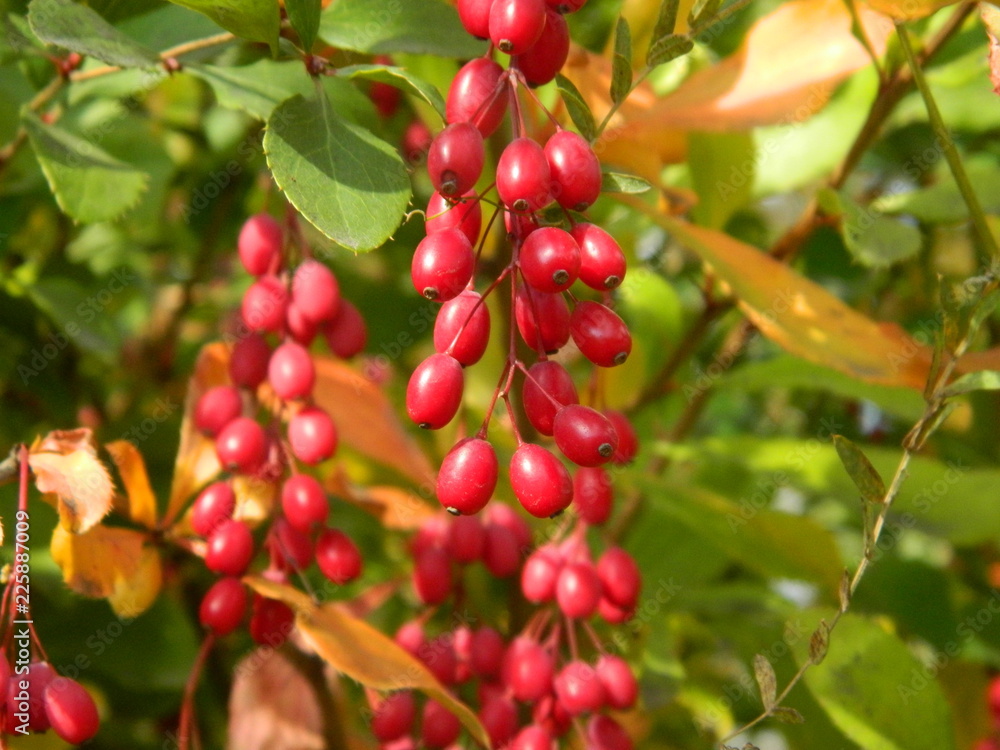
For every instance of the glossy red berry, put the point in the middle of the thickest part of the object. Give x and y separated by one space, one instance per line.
466 539
312 435
604 733
584 435
498 716
300 328
527 669
620 687
475 17
259 244
540 481
547 388
432 575
213 505
291 371
70 711
578 590
578 689
545 58
337 556
455 159
620 578
501 551
434 392
602 262
593 495
550 260
524 180
265 304
346 334
542 319
462 328
540 573
532 737
223 606
248 361
440 727
478 94
468 476
515 25
230 548
39 676
576 172
486 652
241 446
628 440
216 408
271 621
292 547
416 141
601 335
442 265
465 213
394 717
612 613
304 502
315 291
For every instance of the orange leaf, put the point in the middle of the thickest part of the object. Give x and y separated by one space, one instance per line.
395 507
110 563
65 463
141 502
361 652
367 421
908 10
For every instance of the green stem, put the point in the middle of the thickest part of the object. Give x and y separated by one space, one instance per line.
948 146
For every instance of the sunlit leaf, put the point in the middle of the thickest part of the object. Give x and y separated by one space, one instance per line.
257 88
65 464
255 20
984 380
399 78
620 182
908 10
76 27
140 500
304 17
621 65
860 470
578 109
766 680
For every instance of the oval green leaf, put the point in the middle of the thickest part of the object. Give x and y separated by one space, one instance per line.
79 29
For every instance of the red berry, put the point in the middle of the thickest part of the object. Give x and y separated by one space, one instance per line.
293 548
248 361
299 327
442 265
620 578
601 335
498 716
532 737
394 717
410 637
576 172
542 319
466 539
578 689
214 505
620 687
584 435
216 408
540 481
612 613
593 494
527 670
628 441
604 733
545 58
455 159
540 573
230 548
486 652
462 328
385 98
478 94
223 606
416 141
337 556
259 244
440 727
70 710
504 515
524 180
432 575
547 379
475 17
993 698
438 655
346 334
291 371
516 24
241 446
271 621
465 214
602 262
566 6
304 502
265 304
315 291
468 476
432 533
501 552
39 676
578 590
312 435
519 226
434 392
550 260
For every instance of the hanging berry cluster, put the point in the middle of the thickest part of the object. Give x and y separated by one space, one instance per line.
289 308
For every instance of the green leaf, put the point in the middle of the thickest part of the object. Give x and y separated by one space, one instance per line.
860 469
722 175
578 110
88 183
621 64
668 48
666 21
352 186
253 20
76 27
77 316
877 693
16 38
702 12
941 202
620 182
423 27
983 380
256 88
874 239
400 78
304 16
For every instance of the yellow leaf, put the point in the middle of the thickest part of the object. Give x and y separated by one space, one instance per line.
110 563
141 501
255 499
65 464
361 652
908 10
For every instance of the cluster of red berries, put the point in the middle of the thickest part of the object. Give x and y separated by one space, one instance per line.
545 262
37 699
292 308
993 704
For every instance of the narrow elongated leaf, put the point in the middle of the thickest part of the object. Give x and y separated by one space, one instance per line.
621 66
984 380
304 16
76 27
141 506
254 20
400 78
88 183
766 680
860 469
619 182
787 715
257 88
578 109
666 21
703 12
668 48
348 183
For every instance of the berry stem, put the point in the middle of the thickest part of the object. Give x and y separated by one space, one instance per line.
185 728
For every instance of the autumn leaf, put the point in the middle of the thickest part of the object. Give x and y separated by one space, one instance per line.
65 465
908 10
394 507
139 501
109 563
